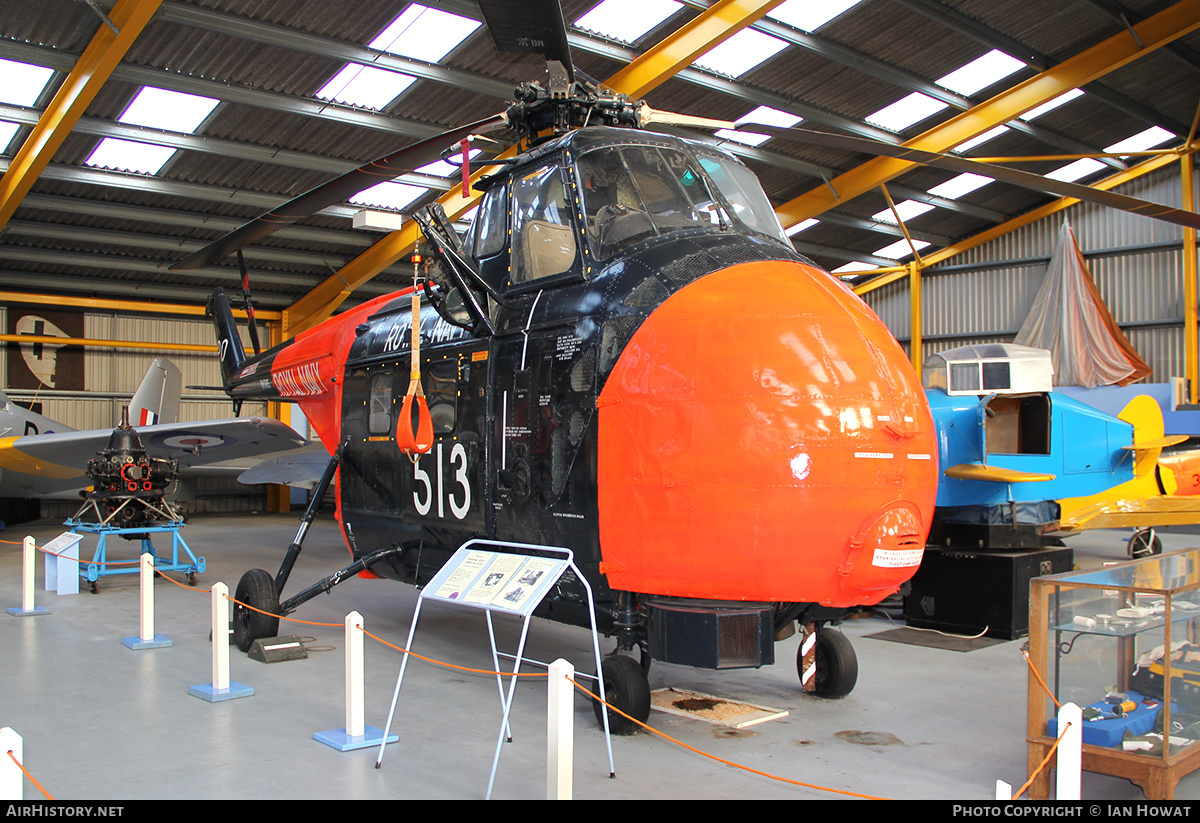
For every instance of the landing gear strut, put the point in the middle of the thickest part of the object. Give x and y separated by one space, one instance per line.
259 592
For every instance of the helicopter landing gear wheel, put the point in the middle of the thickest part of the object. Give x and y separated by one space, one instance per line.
627 688
1144 543
256 590
836 662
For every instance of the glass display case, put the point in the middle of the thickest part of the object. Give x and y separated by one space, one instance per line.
1100 639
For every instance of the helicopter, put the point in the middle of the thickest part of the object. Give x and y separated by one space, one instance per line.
627 357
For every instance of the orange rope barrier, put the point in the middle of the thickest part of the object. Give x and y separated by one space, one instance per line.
452 665
13 757
729 763
1042 765
470 670
1032 668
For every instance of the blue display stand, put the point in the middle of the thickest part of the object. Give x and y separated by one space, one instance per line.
98 567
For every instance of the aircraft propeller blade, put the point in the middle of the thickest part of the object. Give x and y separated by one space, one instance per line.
335 191
535 26
951 162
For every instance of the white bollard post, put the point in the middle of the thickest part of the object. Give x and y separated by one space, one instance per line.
221 688
357 734
146 588
12 784
148 639
560 743
220 636
1070 752
28 561
354 675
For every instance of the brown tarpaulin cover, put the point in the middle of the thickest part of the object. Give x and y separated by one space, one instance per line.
1070 320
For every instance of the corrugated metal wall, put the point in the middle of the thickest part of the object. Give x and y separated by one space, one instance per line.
984 294
111 377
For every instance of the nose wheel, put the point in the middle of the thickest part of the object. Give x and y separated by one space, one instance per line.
626 687
832 665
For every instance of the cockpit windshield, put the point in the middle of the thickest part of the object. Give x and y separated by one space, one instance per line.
634 192
741 188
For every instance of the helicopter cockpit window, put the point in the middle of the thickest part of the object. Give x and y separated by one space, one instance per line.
441 393
542 238
636 192
491 226
379 416
744 193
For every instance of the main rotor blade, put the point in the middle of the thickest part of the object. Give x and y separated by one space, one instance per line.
529 26
1004 174
335 191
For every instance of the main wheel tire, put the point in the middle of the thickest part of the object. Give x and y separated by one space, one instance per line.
256 589
627 688
1144 543
837 665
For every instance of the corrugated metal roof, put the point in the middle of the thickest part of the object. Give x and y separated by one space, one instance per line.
270 139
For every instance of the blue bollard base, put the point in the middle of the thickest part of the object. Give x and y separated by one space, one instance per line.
36 610
137 643
343 742
207 692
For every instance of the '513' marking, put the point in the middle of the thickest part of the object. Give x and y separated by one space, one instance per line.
457 496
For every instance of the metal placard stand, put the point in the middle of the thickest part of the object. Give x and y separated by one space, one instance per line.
508 583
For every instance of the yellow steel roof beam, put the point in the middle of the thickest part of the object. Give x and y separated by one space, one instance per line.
1118 50
660 63
79 89
941 255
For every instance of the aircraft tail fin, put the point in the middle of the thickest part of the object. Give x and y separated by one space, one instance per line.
229 342
157 398
1145 415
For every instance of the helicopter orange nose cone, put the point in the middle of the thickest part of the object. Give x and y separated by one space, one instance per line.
763 437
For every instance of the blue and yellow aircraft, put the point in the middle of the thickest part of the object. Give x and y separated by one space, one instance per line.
1021 462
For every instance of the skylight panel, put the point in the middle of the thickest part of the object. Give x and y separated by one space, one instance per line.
420 33
900 249
1152 137
742 52
957 187
389 195
806 223
765 115
157 109
1051 105
21 84
980 139
1074 171
168 110
365 86
809 15
907 209
7 131
981 73
627 20
906 111
127 155
443 168
854 266
425 34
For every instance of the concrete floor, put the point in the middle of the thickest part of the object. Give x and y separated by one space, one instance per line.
103 722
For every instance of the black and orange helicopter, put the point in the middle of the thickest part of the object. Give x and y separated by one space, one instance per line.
626 357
